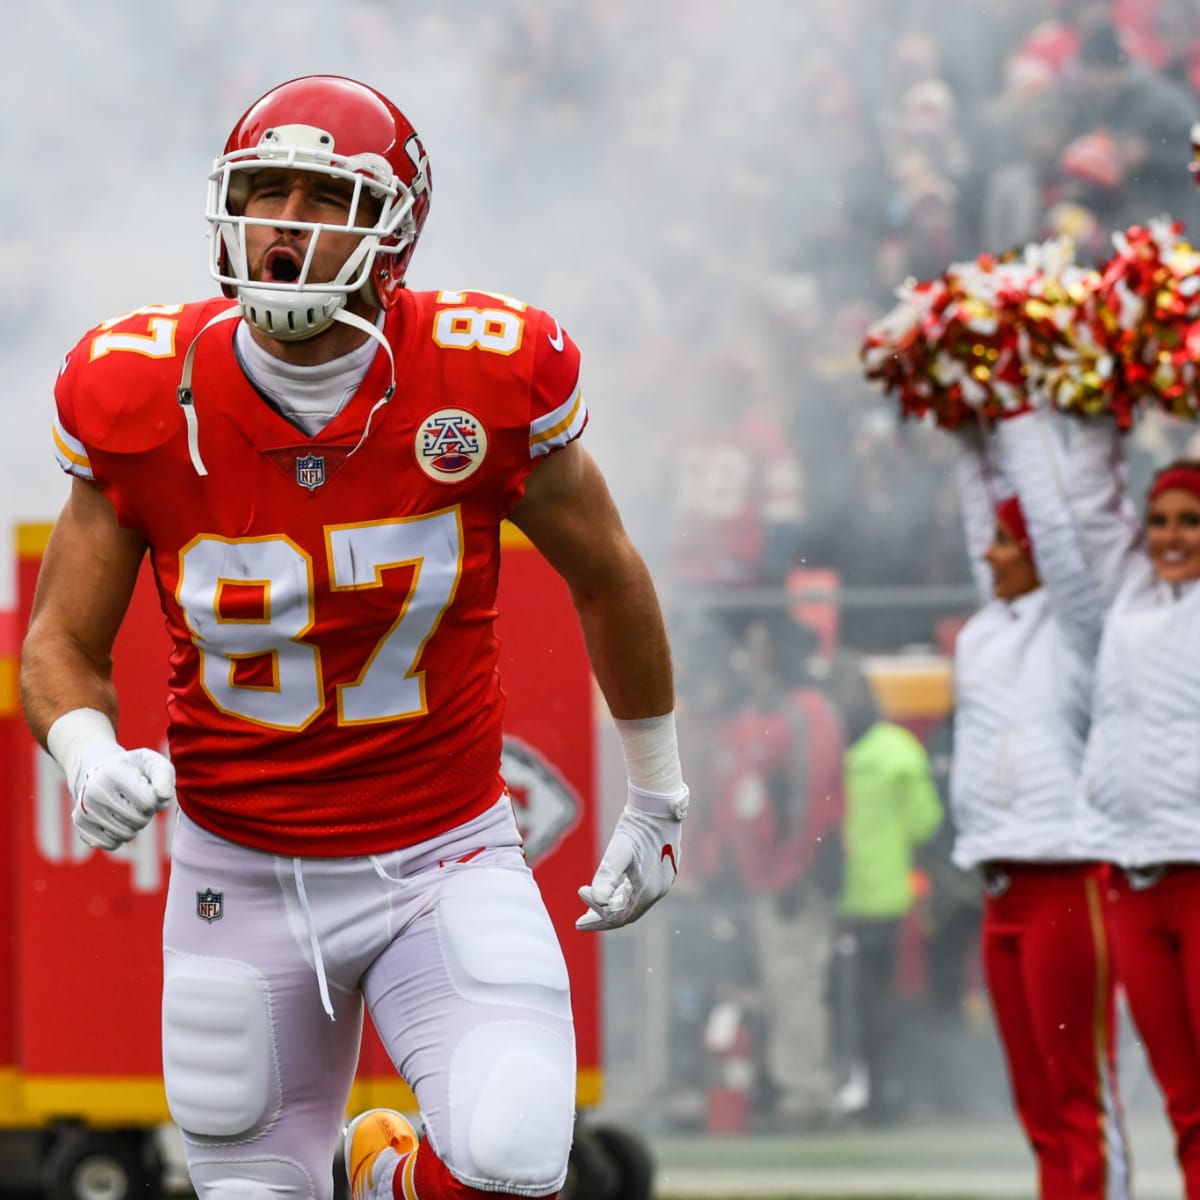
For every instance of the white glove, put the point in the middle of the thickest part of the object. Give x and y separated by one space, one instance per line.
117 792
641 861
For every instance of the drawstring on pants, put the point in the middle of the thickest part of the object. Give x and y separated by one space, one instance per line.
318 959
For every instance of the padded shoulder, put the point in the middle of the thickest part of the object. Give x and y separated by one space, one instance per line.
117 388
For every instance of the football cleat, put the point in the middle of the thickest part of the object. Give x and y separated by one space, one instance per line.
366 1138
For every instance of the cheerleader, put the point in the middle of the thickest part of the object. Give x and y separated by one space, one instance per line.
1023 682
1141 773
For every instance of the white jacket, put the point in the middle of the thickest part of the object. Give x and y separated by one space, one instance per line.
1023 670
1142 767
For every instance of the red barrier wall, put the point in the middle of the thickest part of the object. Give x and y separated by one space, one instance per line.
87 923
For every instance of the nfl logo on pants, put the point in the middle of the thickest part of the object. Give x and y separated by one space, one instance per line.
209 905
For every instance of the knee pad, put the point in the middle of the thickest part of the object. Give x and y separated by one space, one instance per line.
510 1095
217 1047
517 1086
255 1179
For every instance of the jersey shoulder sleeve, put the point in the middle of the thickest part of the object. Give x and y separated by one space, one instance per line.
513 341
558 413
117 388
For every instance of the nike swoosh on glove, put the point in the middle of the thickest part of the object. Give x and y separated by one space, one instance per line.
117 792
641 861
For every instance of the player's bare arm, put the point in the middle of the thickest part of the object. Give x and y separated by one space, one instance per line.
569 515
87 577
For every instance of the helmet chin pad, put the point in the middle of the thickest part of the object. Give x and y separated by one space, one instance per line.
289 316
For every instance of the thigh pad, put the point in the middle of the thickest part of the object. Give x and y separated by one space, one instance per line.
218 1059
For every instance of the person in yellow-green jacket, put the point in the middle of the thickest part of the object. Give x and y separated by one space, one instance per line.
891 807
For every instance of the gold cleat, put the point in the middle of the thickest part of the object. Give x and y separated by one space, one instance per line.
368 1136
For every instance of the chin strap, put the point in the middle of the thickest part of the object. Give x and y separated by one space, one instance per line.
184 391
187 398
370 328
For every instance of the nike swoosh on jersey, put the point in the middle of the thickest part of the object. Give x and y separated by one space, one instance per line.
557 340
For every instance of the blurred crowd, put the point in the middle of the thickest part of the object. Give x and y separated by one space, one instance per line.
908 135
799 525
828 976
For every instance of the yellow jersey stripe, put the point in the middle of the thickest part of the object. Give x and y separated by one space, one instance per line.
563 428
555 416
71 454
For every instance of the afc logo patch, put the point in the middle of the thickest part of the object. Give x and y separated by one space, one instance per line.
310 471
451 444
210 905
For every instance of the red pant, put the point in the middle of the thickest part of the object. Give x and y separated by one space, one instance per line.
1046 962
1156 945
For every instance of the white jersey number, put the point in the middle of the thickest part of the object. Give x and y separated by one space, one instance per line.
462 327
249 602
157 342
389 686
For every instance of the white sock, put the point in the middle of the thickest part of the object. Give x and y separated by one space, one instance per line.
381 1174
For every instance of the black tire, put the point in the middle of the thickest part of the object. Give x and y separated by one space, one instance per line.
86 1164
341 1185
632 1159
591 1172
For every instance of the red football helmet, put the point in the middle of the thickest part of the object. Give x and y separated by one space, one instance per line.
333 126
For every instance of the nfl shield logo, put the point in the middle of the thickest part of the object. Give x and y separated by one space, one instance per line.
310 471
210 905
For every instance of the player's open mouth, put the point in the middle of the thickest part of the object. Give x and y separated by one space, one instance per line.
282 266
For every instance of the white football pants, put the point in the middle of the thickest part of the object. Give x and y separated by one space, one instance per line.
450 945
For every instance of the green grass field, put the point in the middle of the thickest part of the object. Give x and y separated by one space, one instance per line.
939 1161
825 1196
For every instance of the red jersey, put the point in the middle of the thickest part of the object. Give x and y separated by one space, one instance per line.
767 823
333 684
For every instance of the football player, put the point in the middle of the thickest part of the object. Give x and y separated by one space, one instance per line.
317 463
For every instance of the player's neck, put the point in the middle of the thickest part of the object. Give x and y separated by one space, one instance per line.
333 342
